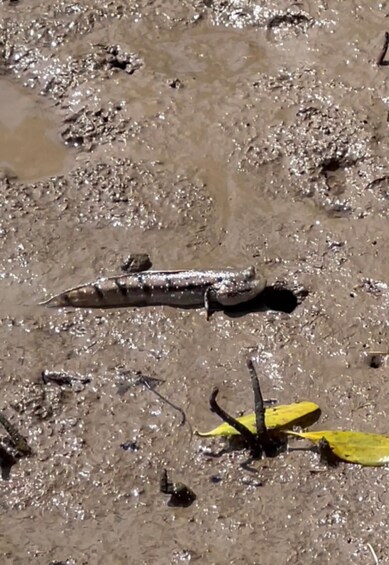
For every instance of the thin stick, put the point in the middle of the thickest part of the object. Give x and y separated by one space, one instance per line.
249 437
382 55
145 382
259 408
264 439
17 439
376 561
165 485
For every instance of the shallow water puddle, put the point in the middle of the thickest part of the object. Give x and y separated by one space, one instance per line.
29 143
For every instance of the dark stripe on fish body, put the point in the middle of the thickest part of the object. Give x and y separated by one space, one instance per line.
169 285
122 287
66 299
147 288
194 286
98 292
144 286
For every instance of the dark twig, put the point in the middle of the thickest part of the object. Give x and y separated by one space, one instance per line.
251 440
17 439
165 485
259 408
144 380
270 443
382 55
181 495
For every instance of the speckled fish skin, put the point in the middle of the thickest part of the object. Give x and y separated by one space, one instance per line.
175 288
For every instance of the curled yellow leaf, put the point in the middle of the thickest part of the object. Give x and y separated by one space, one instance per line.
280 417
353 447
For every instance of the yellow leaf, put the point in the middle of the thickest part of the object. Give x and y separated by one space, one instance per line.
353 447
278 417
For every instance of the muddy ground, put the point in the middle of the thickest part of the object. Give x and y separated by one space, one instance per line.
206 133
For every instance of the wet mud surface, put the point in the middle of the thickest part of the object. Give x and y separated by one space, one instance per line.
207 134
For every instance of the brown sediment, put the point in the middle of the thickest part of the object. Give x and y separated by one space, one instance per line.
30 146
275 148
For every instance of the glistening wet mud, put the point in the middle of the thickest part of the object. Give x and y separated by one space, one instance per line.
30 147
207 134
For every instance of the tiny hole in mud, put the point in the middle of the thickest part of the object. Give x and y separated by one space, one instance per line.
283 299
331 165
277 297
117 64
